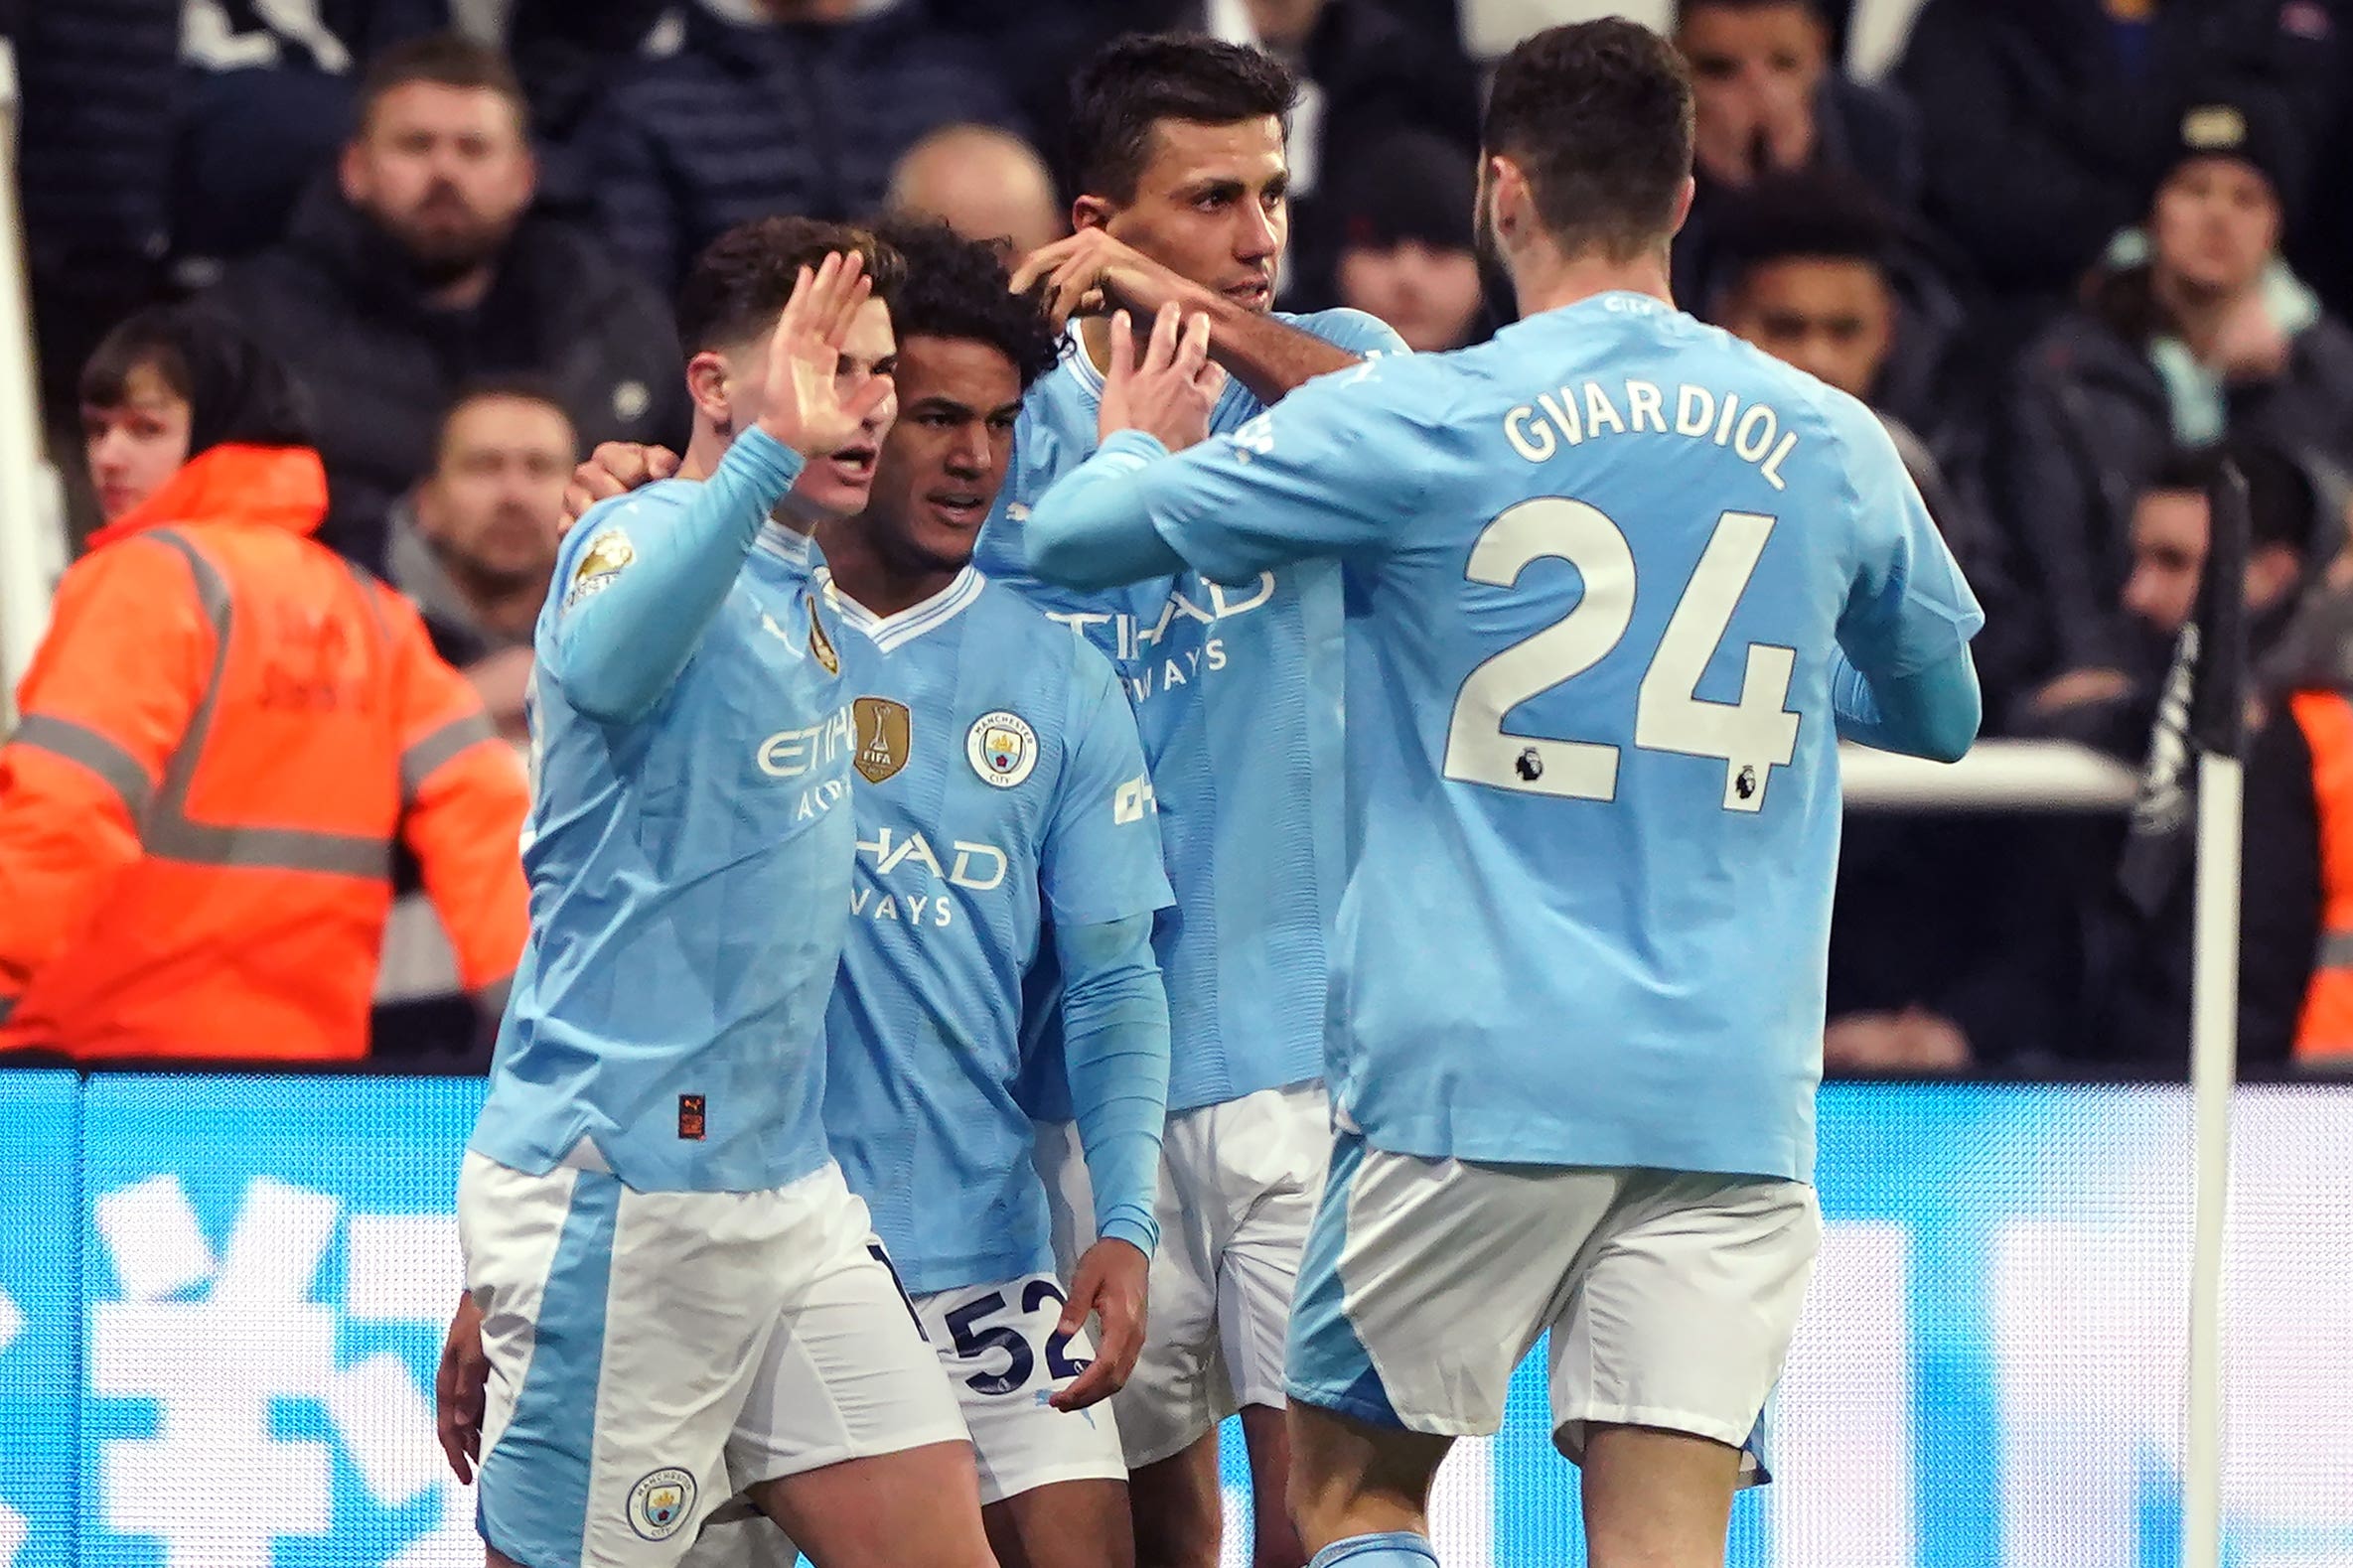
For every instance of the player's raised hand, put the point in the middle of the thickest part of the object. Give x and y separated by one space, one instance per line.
1090 272
803 405
1108 1285
1171 390
615 468
460 1390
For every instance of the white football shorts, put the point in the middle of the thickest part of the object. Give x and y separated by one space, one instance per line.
639 1345
1002 1356
1670 1296
1238 1188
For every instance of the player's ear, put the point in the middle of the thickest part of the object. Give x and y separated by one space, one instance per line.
1091 211
1682 203
706 384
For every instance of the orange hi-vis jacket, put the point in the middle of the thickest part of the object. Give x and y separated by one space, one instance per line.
2324 1034
222 733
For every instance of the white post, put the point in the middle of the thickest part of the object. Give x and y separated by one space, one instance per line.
2214 1062
24 559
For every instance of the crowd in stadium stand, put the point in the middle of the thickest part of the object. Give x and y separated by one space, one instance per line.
2074 252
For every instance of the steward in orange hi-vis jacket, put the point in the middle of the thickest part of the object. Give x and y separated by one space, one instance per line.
222 734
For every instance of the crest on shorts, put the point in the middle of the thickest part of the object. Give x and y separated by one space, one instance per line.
660 1504
1002 748
608 554
886 735
820 646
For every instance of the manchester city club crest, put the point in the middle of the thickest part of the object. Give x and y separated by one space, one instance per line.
885 737
660 1504
1002 748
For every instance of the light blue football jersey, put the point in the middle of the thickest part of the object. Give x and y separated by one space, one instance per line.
1599 569
688 876
1237 690
999 787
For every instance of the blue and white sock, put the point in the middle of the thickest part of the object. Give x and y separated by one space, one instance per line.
1391 1549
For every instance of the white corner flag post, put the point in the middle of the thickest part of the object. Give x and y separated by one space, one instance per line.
2216 728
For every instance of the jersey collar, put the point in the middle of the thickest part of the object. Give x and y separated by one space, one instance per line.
892 633
1080 366
786 544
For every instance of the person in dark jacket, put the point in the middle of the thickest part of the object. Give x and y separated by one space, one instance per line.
2135 898
423 270
2198 332
1771 101
2044 119
770 106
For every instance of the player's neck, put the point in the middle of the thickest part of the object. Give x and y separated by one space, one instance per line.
1546 280
706 446
872 579
1095 341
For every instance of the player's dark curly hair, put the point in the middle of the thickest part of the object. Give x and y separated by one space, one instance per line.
1135 82
743 280
959 288
1598 115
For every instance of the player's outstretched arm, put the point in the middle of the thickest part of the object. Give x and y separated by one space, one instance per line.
1903 680
1116 1048
637 598
639 589
1086 272
1336 469
1932 713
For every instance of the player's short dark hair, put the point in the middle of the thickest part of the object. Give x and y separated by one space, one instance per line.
743 280
959 288
514 386
1799 215
448 59
235 390
1598 116
1133 84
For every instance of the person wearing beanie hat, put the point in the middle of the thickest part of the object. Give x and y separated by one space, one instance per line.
2191 332
1405 252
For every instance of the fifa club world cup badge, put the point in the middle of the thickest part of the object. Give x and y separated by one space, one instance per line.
660 1504
886 735
1002 749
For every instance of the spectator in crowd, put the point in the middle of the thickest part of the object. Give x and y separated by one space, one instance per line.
265 90
983 182
1770 101
1403 246
475 545
771 107
1804 270
2044 120
1363 72
423 270
2198 330
2137 926
224 732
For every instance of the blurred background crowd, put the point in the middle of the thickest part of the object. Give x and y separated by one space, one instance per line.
2073 251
